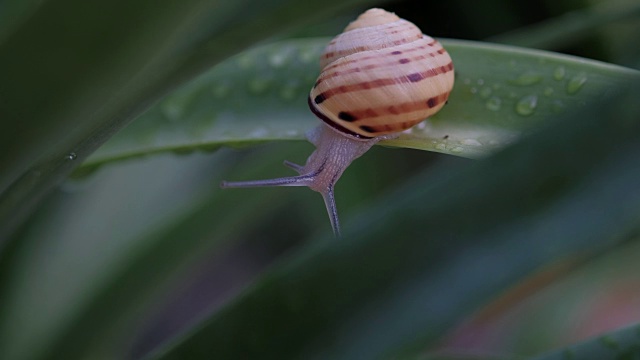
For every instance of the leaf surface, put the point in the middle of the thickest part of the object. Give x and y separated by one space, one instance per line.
500 93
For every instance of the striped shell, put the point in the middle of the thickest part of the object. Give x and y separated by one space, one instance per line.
381 76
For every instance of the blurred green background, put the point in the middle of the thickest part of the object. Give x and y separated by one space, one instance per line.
85 222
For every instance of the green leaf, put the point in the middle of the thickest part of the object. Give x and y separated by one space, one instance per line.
447 241
74 73
81 279
621 344
500 93
413 264
12 13
416 261
568 28
446 356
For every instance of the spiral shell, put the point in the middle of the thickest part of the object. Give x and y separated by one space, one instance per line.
381 76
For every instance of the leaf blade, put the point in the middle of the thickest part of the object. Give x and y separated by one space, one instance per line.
260 96
563 191
54 114
619 344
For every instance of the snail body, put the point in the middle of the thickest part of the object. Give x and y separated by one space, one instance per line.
379 77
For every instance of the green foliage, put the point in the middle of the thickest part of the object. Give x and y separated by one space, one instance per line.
88 263
74 73
620 344
501 93
535 208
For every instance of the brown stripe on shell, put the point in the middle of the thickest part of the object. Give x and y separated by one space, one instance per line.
376 83
335 65
368 129
346 116
374 129
341 53
364 114
332 123
347 43
395 52
330 54
377 129
402 108
318 99
393 62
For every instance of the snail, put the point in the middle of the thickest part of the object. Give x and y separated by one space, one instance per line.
379 77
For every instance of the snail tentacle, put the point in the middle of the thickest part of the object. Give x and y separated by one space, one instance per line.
379 77
294 166
330 203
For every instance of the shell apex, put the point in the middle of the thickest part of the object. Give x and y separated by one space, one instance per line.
372 17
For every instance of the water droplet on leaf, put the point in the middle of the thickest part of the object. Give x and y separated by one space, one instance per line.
527 78
258 133
527 105
575 84
559 73
278 59
308 55
258 85
494 103
172 108
472 142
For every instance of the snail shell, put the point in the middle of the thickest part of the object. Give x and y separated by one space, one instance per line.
379 77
